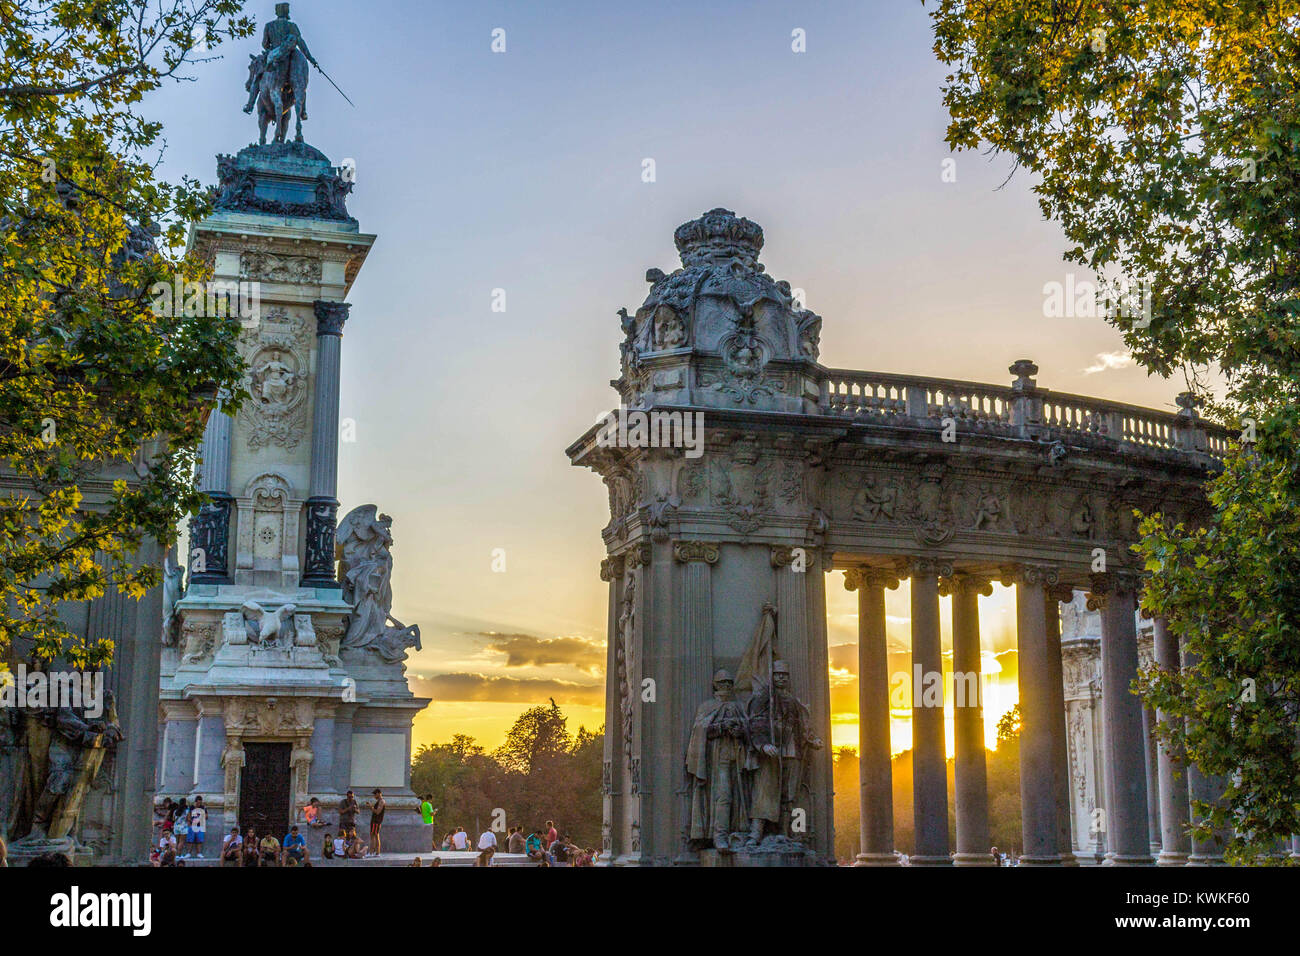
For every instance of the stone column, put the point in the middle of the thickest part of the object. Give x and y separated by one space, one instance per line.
1037 748
1175 844
209 557
969 771
696 559
1127 835
323 505
1056 704
929 761
875 771
611 571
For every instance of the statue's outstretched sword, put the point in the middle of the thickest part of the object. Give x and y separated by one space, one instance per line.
333 84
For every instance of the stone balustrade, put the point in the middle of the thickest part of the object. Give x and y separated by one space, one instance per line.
1021 410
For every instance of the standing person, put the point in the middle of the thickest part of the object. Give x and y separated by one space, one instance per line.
348 811
551 833
516 842
232 848
426 809
487 846
181 824
377 810
460 839
198 829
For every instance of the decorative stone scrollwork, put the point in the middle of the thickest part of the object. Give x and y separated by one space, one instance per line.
270 716
276 353
209 541
330 316
917 566
963 582
198 641
266 266
857 578
741 485
1031 575
322 526
687 551
611 568
637 556
933 519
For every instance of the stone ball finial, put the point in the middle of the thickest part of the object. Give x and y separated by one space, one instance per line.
718 234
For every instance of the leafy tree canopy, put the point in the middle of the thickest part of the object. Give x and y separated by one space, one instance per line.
90 376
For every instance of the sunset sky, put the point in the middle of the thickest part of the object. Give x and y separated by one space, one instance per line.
522 171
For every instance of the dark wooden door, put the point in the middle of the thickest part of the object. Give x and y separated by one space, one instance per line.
264 790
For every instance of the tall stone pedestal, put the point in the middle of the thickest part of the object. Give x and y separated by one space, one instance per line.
266 677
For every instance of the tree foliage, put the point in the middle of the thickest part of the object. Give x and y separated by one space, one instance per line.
539 773
90 376
1164 138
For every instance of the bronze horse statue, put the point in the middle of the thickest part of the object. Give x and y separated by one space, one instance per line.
276 90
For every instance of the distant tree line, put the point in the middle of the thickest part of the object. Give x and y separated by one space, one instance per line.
541 772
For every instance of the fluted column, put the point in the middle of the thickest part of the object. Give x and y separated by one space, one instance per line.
969 771
323 505
1056 704
1038 814
1175 844
875 770
1127 835
210 528
929 755
695 654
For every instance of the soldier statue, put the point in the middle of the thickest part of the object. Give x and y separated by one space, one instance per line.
780 733
715 757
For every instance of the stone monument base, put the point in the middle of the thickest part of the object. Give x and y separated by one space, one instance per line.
772 851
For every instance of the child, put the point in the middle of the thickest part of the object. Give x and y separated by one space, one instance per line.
327 848
340 847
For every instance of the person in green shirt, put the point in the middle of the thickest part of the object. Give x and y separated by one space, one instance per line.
426 810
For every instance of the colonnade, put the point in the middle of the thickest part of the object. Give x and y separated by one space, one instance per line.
1130 810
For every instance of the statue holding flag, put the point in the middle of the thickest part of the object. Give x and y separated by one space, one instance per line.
780 734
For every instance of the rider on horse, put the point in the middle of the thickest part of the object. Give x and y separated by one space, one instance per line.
280 40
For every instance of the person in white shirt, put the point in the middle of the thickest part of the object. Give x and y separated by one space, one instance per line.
460 839
487 845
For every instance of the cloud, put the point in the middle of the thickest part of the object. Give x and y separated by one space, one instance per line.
1109 360
524 650
845 657
512 690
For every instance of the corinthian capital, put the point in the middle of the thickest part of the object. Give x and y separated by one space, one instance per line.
330 316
